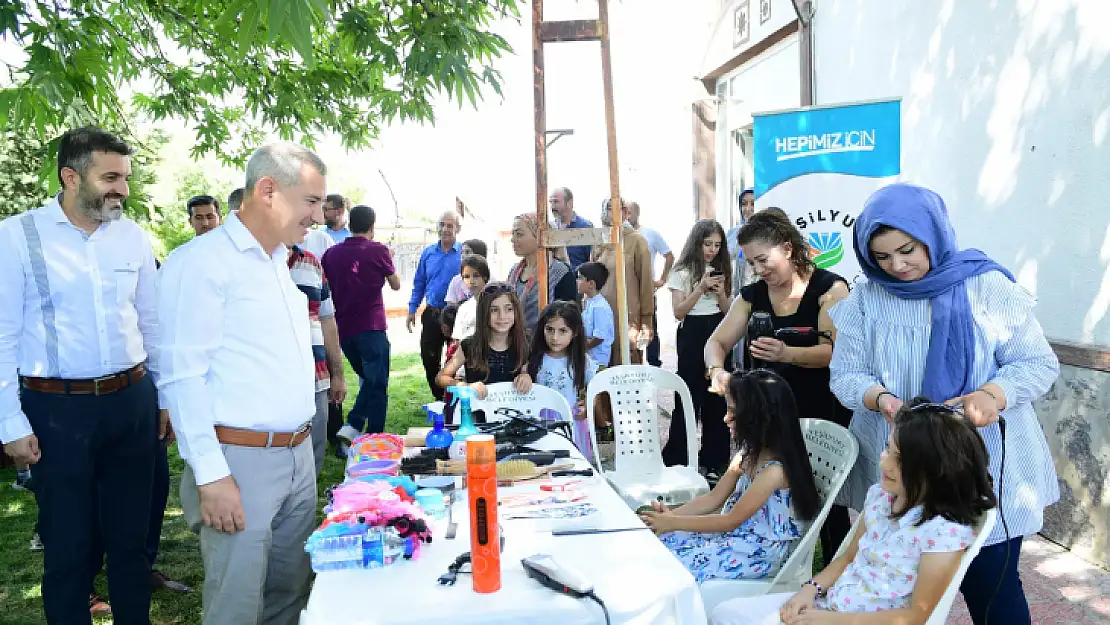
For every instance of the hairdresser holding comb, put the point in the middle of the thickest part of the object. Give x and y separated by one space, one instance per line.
950 325
796 296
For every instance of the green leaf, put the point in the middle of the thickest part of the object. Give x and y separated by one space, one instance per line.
299 30
248 29
278 10
225 26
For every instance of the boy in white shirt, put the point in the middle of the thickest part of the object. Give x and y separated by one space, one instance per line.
597 315
475 276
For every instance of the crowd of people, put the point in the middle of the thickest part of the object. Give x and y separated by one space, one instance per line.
234 349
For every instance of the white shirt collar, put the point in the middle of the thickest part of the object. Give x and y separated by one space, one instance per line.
244 240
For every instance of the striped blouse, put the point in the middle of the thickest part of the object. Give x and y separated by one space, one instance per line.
882 339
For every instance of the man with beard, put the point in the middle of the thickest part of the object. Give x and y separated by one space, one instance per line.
240 386
335 217
78 366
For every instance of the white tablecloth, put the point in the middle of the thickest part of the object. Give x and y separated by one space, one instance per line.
638 579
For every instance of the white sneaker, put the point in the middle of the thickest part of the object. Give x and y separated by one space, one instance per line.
36 542
348 433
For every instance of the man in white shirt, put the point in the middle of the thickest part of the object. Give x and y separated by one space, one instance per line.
240 387
78 366
204 214
658 247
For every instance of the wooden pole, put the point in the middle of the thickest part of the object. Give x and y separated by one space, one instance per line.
615 212
539 110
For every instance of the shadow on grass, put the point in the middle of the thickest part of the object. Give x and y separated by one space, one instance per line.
179 554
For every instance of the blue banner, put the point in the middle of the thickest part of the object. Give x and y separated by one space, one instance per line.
854 139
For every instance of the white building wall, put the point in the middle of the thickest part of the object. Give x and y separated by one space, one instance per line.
1006 112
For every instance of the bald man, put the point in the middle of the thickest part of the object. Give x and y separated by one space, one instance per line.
439 262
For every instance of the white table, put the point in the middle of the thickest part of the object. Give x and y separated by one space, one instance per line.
638 579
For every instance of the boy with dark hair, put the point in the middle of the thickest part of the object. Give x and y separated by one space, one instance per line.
457 291
597 315
357 270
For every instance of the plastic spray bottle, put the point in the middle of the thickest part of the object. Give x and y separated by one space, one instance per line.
485 532
439 437
462 395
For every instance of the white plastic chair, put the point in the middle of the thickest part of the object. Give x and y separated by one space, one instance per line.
944 606
502 397
832 453
638 473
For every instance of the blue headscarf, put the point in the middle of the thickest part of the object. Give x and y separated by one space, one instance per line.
921 213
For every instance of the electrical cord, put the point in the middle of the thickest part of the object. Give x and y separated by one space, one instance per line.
604 610
1005 527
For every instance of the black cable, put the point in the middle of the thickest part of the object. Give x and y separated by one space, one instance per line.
1005 527
604 610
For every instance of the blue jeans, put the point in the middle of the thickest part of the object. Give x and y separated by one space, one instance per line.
368 355
93 486
982 580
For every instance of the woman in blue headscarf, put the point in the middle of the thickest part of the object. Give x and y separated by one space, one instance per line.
951 325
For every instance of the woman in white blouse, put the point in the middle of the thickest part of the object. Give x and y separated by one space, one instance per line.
950 325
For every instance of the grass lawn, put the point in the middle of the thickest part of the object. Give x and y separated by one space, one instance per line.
179 557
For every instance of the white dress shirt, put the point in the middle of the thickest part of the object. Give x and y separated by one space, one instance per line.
72 305
235 344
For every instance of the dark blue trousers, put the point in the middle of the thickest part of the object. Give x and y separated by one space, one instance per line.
987 570
93 486
368 355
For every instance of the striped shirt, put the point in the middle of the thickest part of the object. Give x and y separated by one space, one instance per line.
883 340
309 277
72 305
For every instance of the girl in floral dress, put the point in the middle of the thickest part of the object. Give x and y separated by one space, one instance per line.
768 491
917 522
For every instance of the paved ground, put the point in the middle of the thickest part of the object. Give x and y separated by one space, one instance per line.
1061 587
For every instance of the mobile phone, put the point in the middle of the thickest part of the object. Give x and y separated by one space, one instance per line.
716 273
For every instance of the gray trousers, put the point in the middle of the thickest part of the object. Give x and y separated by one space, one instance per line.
320 431
260 575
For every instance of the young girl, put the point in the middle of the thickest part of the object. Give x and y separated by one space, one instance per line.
916 525
768 492
559 361
498 351
700 287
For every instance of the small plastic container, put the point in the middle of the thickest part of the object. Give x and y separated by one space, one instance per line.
379 466
431 500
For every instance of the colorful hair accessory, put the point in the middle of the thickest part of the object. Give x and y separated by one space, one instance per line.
378 446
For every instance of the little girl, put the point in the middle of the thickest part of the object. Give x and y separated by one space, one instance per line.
916 525
700 294
559 361
768 492
498 351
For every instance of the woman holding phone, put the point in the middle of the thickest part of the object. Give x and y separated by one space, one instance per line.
796 296
700 285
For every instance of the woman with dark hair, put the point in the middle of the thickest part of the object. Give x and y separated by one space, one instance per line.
797 296
915 527
950 324
700 285
522 277
767 493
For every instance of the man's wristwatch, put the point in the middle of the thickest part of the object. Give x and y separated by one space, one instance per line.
821 591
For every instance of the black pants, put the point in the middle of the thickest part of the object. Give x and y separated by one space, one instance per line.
983 576
95 481
432 342
368 354
653 347
709 409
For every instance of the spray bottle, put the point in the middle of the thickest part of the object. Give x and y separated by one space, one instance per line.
485 533
462 395
439 437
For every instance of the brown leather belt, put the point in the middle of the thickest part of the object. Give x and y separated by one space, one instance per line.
99 386
254 438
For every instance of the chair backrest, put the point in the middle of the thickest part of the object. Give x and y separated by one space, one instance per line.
632 392
832 452
502 400
944 606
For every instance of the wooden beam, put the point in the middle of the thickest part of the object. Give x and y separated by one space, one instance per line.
577 236
1082 356
570 30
